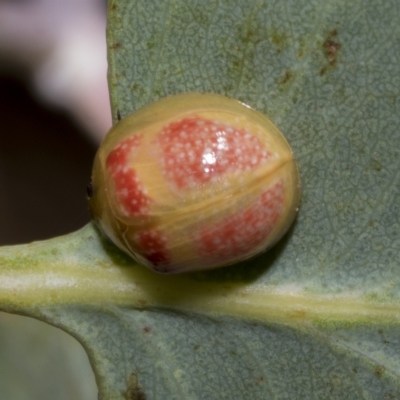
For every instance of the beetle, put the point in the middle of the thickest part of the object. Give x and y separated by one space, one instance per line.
194 181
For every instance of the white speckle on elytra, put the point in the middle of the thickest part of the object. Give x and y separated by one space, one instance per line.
222 143
208 157
206 143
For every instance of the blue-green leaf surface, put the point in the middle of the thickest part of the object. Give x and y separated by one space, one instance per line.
317 317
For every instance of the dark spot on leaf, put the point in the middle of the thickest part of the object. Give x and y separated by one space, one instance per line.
133 390
323 71
196 347
236 64
147 329
380 331
286 77
376 165
259 379
379 370
354 370
115 46
330 48
279 40
249 36
139 90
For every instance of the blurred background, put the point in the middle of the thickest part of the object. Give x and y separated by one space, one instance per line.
54 110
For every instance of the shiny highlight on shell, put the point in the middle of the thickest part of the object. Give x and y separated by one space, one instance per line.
194 181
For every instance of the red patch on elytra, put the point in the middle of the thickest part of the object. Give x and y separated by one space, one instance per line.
152 245
241 232
194 150
118 157
128 191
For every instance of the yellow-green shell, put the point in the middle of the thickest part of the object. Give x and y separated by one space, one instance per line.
194 181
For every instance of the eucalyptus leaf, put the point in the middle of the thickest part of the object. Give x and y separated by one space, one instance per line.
318 316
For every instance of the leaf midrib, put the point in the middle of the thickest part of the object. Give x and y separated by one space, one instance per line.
59 272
